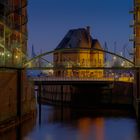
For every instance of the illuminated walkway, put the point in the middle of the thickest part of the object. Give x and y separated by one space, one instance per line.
71 79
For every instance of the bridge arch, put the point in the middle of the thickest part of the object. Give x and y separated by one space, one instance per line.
68 49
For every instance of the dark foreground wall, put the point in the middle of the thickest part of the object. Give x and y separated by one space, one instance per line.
17 99
117 93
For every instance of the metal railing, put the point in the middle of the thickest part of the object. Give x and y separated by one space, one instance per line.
123 79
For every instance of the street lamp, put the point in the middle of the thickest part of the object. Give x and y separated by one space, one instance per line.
114 58
8 55
2 54
122 64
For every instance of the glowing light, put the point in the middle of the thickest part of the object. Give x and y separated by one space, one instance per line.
114 57
2 54
123 63
16 56
8 55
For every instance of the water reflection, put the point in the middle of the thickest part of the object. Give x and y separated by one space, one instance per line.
77 124
71 124
92 124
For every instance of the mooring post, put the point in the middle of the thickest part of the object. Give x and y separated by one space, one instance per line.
18 132
39 101
70 98
61 102
19 92
61 95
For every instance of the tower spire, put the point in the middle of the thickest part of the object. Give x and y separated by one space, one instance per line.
33 52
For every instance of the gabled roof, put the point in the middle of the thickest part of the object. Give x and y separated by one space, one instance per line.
75 38
96 44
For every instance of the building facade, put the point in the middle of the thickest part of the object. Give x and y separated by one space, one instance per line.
13 32
78 49
16 92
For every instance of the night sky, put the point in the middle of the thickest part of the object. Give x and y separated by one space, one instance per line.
50 20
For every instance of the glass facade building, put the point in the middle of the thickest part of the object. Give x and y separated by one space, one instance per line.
13 32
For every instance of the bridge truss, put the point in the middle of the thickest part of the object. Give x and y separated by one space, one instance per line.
121 62
115 67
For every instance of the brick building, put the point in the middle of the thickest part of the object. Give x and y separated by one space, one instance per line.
79 49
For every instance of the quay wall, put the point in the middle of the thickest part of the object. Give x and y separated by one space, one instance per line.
118 93
9 96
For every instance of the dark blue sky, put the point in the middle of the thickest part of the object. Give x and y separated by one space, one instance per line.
49 21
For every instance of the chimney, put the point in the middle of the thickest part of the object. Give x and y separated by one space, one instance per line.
89 38
88 29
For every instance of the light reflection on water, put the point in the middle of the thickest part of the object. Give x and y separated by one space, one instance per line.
69 124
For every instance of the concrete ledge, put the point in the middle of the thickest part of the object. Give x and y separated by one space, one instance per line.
12 122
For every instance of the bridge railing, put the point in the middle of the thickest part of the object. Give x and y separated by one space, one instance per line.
123 79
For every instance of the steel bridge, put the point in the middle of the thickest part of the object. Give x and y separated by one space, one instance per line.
40 56
111 73
78 80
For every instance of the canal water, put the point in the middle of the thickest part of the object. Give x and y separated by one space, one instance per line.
58 123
